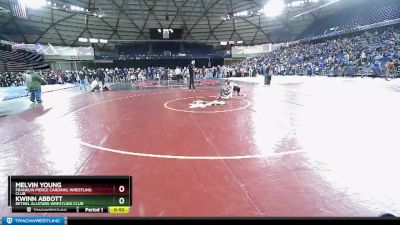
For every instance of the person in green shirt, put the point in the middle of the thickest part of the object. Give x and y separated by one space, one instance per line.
34 83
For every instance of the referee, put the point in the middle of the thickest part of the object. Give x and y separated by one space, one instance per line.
191 74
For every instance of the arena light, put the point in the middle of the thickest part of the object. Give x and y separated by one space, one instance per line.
103 41
77 8
315 9
274 8
84 40
242 13
223 43
33 4
296 3
93 40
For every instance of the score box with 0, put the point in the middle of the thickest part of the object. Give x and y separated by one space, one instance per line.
122 195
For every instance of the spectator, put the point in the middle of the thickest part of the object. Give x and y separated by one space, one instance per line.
34 83
389 69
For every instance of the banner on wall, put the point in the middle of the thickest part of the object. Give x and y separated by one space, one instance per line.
246 51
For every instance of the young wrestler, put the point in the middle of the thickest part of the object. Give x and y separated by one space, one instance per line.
229 90
235 88
226 92
96 85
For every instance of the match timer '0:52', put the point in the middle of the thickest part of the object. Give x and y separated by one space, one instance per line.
118 209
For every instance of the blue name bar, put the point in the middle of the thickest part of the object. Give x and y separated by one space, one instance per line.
32 220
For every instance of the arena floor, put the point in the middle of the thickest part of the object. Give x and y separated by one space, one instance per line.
305 146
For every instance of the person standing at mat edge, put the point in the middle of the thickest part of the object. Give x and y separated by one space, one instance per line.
82 79
34 84
268 71
389 69
191 74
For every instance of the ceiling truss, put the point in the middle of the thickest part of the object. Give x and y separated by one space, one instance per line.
130 20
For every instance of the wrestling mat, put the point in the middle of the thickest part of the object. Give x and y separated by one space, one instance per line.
145 84
209 82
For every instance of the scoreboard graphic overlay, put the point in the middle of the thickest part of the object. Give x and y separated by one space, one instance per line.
70 194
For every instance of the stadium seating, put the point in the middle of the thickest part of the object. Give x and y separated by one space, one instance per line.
352 17
198 50
19 61
364 54
158 49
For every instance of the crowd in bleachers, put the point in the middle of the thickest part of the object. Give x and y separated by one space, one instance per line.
11 79
340 56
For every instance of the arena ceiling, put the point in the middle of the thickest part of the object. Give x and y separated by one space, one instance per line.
128 21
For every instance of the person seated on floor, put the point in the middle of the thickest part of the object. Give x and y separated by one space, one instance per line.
96 85
226 92
107 87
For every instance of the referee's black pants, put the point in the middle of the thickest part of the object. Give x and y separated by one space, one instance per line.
267 80
191 82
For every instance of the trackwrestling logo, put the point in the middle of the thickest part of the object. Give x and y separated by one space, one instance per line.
33 220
